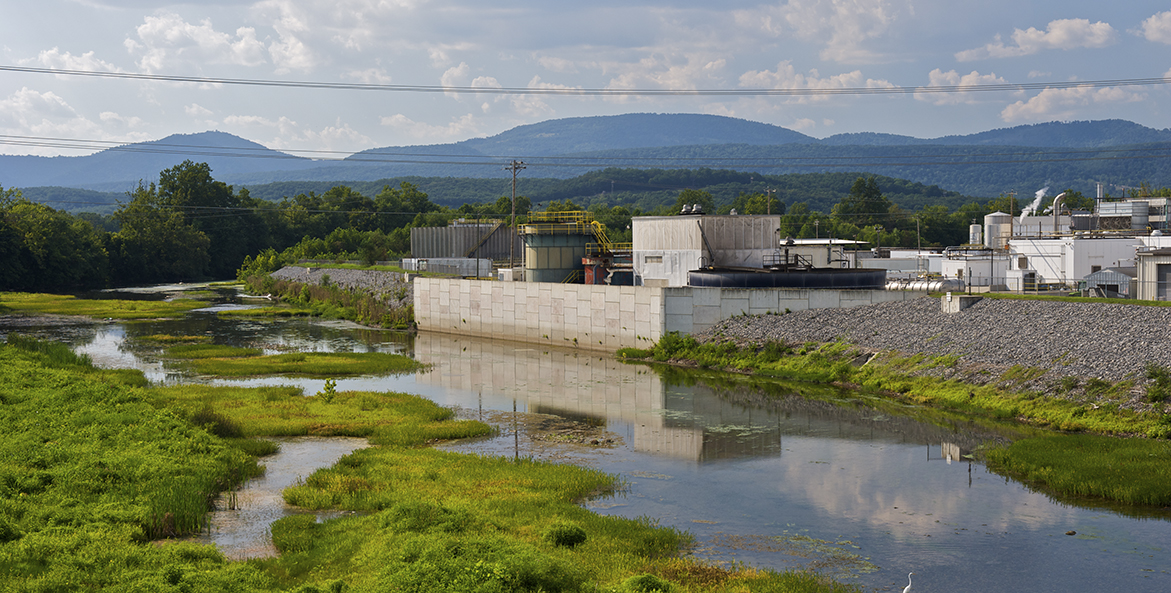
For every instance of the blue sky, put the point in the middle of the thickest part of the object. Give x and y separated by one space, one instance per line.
554 44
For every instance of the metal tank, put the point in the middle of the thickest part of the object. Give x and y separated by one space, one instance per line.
997 230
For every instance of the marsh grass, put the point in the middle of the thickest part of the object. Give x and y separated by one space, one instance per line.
1131 471
312 364
199 351
169 339
53 304
268 312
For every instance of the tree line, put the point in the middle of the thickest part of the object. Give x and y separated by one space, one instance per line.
188 226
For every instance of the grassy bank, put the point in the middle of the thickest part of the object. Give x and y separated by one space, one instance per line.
55 304
91 470
333 302
1056 462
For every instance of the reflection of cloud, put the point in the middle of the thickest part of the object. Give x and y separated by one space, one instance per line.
1052 104
1157 28
1060 34
864 481
951 78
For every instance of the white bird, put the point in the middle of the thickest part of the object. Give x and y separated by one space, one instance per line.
908 589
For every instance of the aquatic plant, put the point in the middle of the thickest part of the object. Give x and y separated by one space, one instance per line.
313 364
564 534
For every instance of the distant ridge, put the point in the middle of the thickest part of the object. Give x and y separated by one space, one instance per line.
563 148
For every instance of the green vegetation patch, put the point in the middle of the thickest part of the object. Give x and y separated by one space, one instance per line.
169 339
200 351
54 304
312 364
1132 471
268 312
393 418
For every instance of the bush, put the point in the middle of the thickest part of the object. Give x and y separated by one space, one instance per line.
563 534
1160 385
646 583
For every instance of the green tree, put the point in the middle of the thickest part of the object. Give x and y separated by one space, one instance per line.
156 243
865 205
212 208
691 197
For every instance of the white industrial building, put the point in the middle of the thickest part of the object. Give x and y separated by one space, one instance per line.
666 248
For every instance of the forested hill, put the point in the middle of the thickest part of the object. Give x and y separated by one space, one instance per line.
1075 155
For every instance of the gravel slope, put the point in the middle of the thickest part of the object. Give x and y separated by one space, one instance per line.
1106 341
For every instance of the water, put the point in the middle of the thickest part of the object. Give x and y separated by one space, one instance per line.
855 488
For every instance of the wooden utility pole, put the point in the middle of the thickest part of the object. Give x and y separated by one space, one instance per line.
515 167
769 199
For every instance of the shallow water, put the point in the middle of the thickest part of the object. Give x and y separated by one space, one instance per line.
757 474
240 523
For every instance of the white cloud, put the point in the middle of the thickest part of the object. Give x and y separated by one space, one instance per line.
463 127
534 106
1060 34
557 65
166 38
802 124
665 71
1157 28
841 26
53 58
197 110
28 112
951 78
787 77
1064 104
370 75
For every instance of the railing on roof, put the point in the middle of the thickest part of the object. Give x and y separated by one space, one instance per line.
574 277
576 222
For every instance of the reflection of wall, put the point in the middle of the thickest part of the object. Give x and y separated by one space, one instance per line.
554 380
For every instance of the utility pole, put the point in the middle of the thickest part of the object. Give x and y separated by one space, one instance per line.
769 199
515 167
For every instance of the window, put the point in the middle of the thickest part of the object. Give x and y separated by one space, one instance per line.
1096 269
652 259
1022 263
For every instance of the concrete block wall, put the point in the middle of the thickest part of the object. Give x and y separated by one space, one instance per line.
604 318
607 318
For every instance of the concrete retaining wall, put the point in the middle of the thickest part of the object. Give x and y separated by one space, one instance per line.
607 318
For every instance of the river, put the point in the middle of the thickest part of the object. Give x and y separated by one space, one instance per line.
768 474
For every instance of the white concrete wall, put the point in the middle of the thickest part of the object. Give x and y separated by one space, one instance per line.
607 318
594 317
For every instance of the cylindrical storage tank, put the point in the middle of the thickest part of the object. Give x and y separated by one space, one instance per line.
975 234
997 230
553 258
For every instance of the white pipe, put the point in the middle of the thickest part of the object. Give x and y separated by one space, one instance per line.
1056 208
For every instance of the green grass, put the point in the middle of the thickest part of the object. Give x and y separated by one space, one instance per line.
169 339
90 471
268 312
309 364
200 351
53 304
1130 471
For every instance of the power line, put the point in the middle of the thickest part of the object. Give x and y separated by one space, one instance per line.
584 91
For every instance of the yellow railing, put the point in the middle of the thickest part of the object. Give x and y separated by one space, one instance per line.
573 278
568 223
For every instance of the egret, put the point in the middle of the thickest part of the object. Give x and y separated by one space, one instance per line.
908 589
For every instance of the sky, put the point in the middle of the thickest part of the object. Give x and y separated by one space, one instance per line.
642 45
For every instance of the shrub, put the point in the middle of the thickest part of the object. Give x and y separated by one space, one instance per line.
1160 385
294 533
564 534
646 583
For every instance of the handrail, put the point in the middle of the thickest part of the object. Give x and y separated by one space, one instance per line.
572 278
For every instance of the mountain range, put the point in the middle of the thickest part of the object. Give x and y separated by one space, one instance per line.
1076 155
